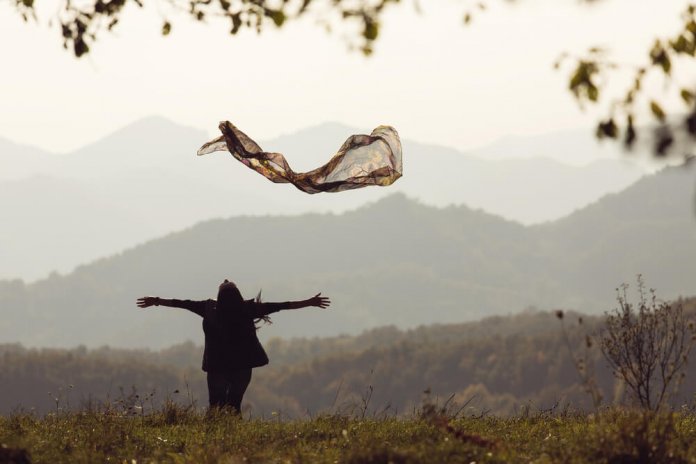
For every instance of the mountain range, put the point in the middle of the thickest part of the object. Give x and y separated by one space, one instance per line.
395 261
143 181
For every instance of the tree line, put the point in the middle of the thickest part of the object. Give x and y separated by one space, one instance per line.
499 365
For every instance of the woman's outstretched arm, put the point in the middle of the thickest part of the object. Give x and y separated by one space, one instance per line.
264 309
197 307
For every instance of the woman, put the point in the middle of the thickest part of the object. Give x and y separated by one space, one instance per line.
231 346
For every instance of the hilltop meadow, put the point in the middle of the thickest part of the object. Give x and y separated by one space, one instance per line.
175 435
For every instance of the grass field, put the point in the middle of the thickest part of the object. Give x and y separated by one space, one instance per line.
176 434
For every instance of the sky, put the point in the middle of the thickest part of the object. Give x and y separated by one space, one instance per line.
434 79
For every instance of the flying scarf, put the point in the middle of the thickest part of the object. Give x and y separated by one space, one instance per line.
362 160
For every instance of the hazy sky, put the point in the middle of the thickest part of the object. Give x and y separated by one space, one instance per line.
431 77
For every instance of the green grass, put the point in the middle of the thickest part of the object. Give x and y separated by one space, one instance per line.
176 434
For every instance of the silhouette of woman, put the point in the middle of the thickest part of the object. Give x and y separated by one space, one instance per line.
232 348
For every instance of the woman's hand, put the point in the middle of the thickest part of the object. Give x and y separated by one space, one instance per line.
319 301
147 301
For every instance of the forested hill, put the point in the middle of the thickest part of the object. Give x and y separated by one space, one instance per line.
144 181
500 363
649 228
394 262
507 360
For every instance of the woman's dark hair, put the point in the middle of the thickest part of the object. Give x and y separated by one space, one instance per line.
230 299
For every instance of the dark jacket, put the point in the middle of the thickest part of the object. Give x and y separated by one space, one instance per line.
230 339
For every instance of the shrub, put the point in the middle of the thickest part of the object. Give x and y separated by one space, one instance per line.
647 345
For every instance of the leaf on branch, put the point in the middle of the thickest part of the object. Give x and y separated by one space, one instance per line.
592 92
166 28
630 136
659 57
691 123
80 47
682 45
687 96
371 30
657 111
607 129
691 26
664 141
236 23
582 81
277 16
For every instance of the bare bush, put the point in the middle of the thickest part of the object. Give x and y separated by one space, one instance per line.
647 345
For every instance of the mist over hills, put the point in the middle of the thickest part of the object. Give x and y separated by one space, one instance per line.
19 161
395 261
144 181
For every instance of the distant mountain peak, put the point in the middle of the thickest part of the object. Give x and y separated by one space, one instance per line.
332 125
323 129
394 198
150 130
399 201
152 123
